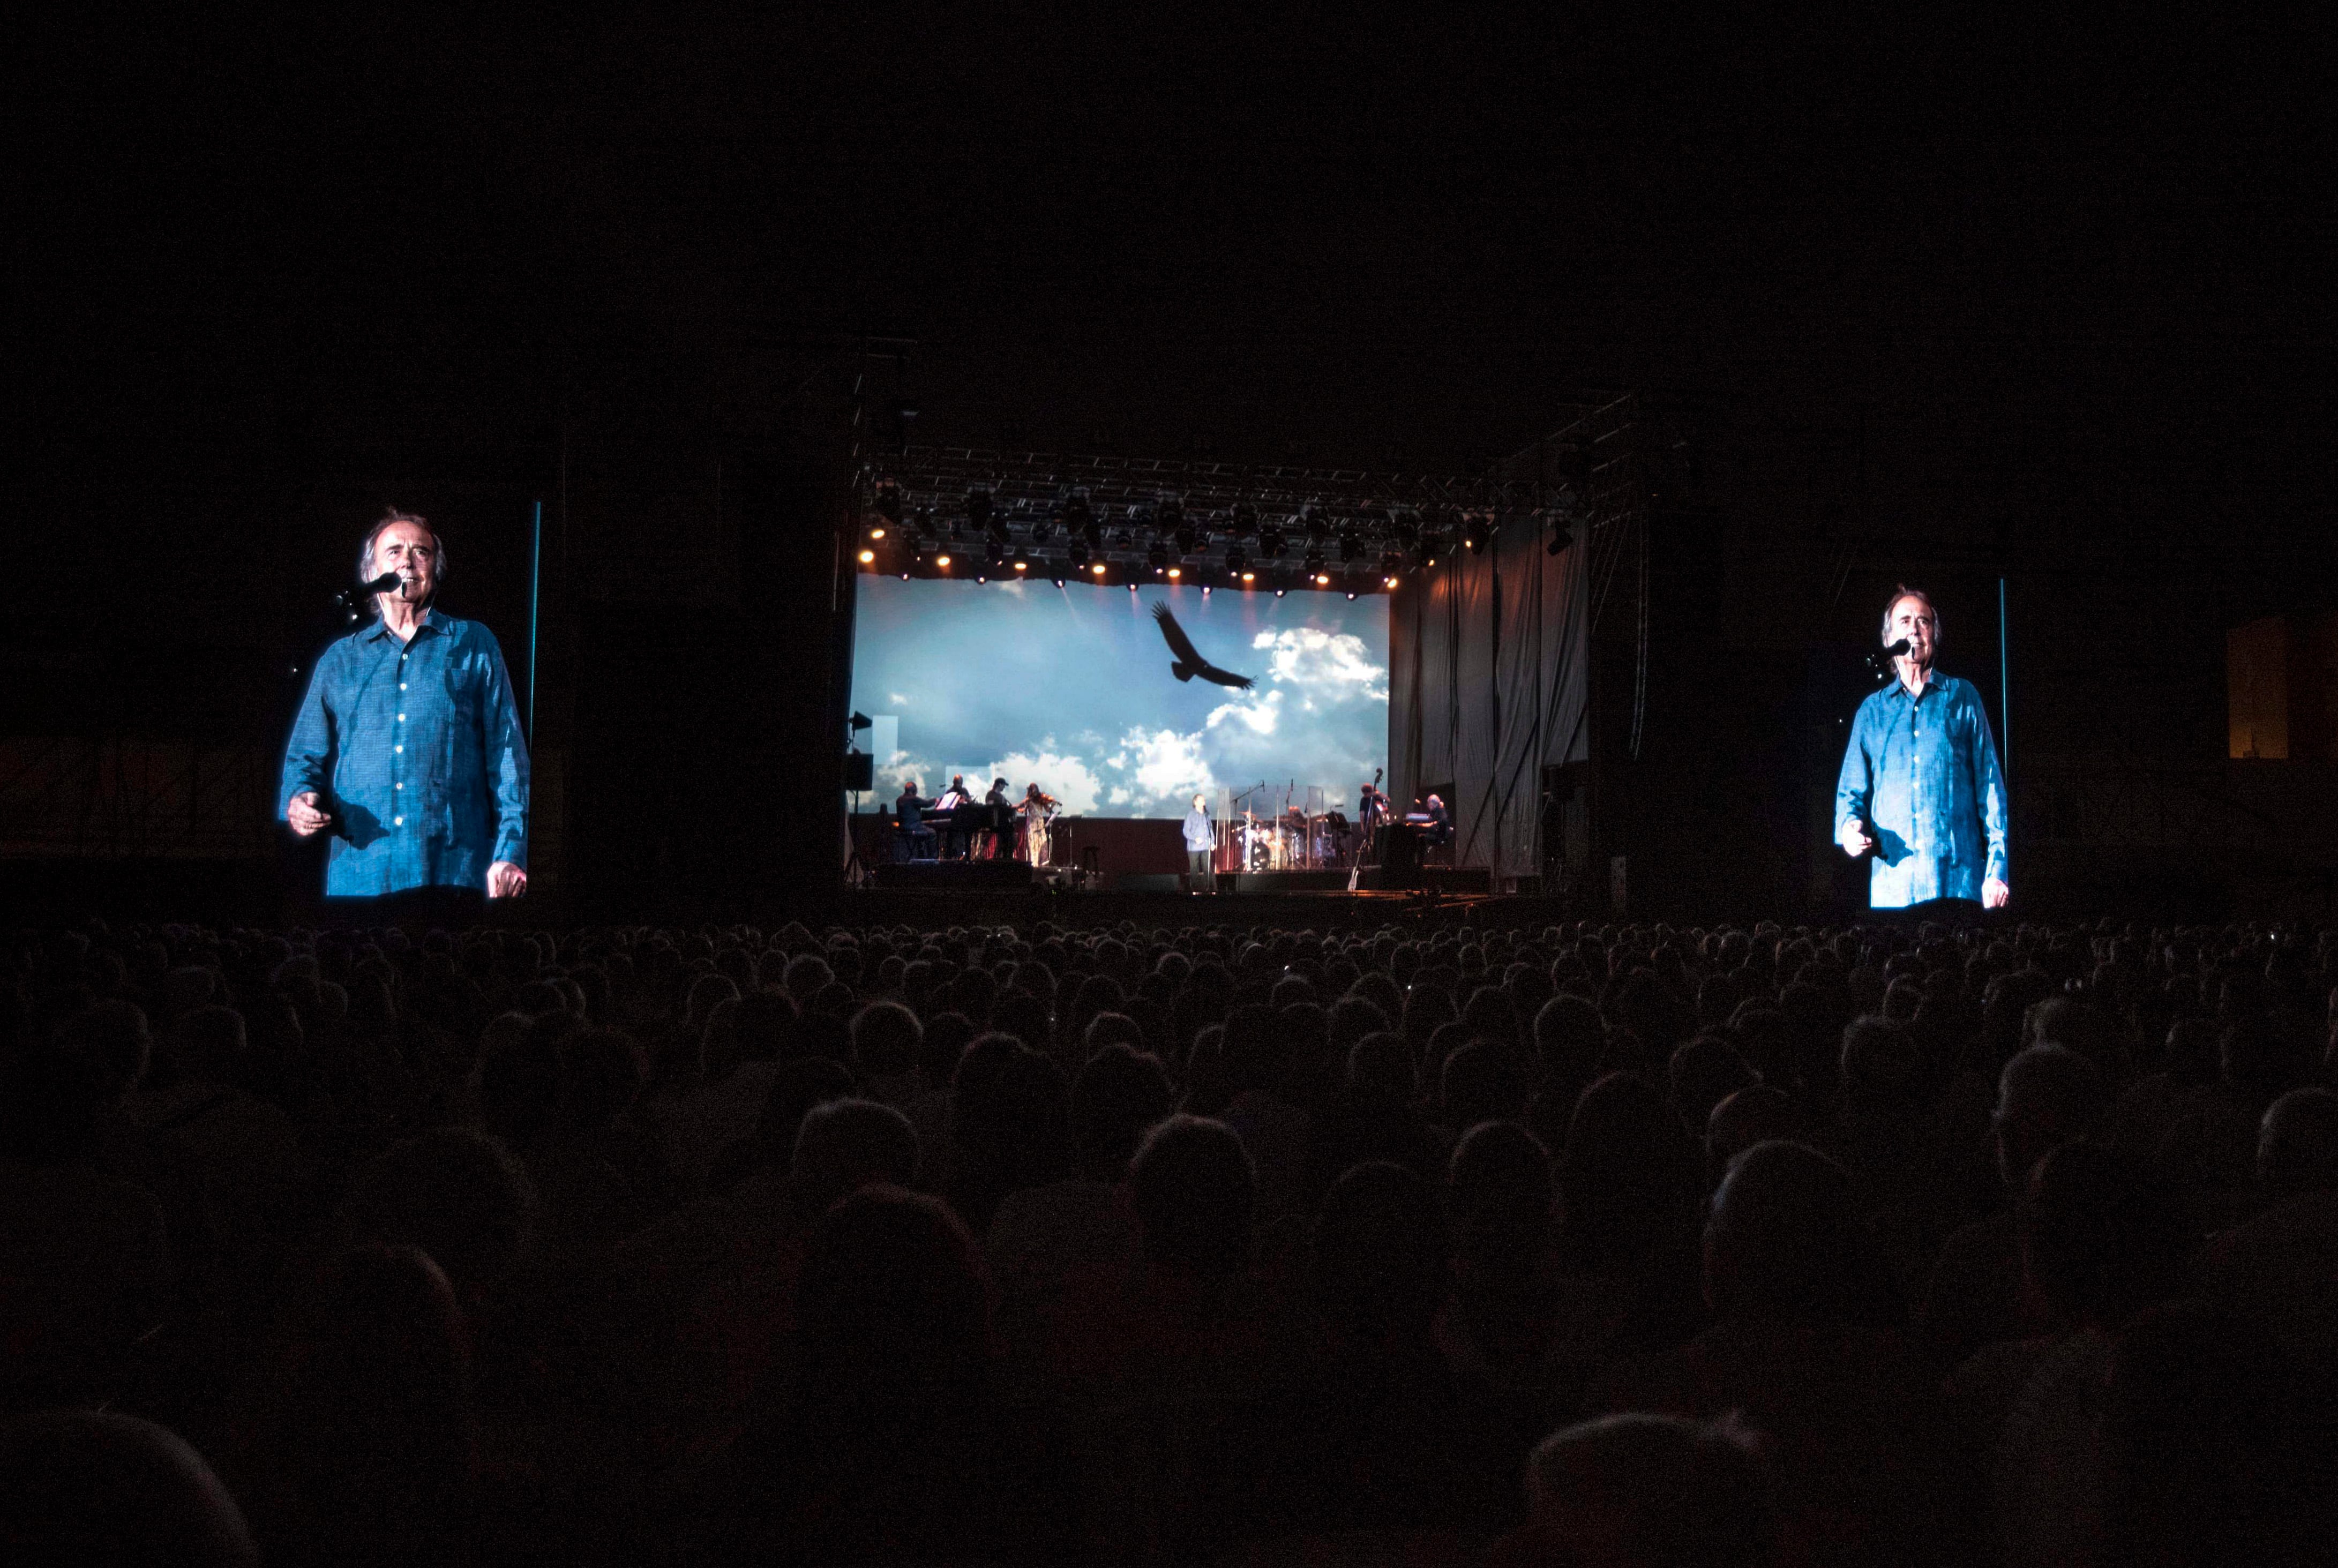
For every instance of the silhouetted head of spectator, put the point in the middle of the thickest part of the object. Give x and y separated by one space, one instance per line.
1628 1175
796 1088
52 1092
1481 1082
1378 1258
1568 1038
519 1083
844 1145
886 1040
1380 1073
2201 1446
457 1195
1194 1191
1498 1189
1113 1029
1651 1492
1704 1072
947 1036
2191 1052
1783 1242
1883 1072
373 1424
1117 1097
1658 1015
1258 1051
2297 1144
84 1487
207 1045
1489 1016
1756 1114
2099 1244
2046 1096
805 977
1353 1016
892 1308
606 1070
2253 1060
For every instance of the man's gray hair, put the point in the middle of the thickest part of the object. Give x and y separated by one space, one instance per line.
1902 591
366 571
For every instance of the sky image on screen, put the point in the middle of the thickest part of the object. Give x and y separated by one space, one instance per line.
1071 688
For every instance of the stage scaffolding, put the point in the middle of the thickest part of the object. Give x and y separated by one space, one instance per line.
119 798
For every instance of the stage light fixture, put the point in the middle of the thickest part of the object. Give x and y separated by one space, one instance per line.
1022 559
1078 552
977 507
1078 516
1473 530
1205 590
1352 593
1408 526
1060 578
994 553
1176 572
1132 587
1098 568
1351 548
1236 561
1271 544
942 560
1245 517
868 557
1391 563
1248 578
877 531
923 519
1562 534
1316 524
1157 557
982 576
1322 579
1314 563
1389 581
1169 515
888 500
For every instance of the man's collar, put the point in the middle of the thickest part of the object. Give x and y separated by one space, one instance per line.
431 621
1933 682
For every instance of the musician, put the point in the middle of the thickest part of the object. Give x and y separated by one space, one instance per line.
1200 840
1440 824
1039 808
909 814
998 809
424 792
951 806
1919 788
1371 810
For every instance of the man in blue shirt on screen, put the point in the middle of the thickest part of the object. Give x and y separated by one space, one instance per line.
408 750
1919 790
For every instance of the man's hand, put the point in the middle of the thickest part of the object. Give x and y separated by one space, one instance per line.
1994 893
506 880
306 814
1854 840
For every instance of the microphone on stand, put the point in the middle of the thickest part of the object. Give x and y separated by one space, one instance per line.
1896 649
1881 663
353 600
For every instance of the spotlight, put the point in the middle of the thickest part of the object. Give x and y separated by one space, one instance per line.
1060 578
1271 542
1248 578
1473 530
1316 524
1323 580
923 517
868 557
1078 516
1351 548
1022 559
982 576
978 507
1408 527
1158 557
877 531
1169 516
1188 541
942 560
1389 581
1314 563
888 499
1352 593
1132 587
1078 552
1205 590
1562 534
1098 568
1391 563
1176 573
1236 561
1245 517
994 554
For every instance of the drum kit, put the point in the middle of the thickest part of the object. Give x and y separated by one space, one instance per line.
1293 840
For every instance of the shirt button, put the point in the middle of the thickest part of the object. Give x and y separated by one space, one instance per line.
401 718
398 821
397 786
397 748
401 685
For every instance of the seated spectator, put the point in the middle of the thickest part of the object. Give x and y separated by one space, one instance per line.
2276 1269
83 1487
1645 1491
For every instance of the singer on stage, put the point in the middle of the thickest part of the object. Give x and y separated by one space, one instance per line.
408 750
1919 790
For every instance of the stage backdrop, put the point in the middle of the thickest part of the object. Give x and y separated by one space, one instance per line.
1490 681
1071 688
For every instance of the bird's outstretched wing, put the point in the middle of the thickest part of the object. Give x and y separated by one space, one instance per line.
1179 643
1190 661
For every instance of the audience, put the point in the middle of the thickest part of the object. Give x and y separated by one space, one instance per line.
1621 1244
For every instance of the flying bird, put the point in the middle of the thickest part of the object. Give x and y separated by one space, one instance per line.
1190 661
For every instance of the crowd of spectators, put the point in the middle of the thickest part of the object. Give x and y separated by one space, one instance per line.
1584 1244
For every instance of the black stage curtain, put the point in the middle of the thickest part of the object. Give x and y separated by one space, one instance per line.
1488 683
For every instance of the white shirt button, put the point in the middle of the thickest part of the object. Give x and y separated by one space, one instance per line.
397 786
398 821
401 718
401 685
397 748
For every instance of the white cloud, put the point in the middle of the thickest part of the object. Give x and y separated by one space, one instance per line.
1258 709
900 700
1169 764
1331 664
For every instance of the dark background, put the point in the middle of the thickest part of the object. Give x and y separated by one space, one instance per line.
1941 295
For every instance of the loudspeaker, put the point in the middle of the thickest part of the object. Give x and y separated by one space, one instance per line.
860 771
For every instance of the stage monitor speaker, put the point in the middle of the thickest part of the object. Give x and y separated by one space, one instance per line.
860 770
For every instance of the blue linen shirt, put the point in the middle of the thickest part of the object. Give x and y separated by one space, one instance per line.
1921 773
1198 835
415 750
